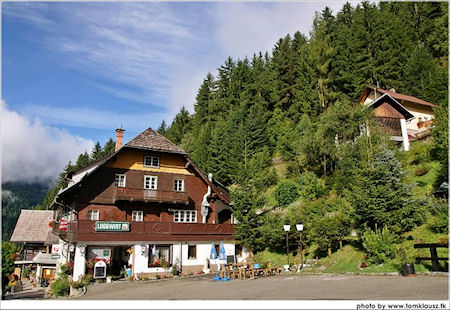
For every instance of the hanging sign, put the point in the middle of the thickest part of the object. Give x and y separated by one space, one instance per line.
112 226
63 224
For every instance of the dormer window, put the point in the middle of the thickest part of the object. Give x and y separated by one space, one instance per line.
151 161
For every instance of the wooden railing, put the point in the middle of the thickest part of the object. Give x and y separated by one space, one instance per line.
148 195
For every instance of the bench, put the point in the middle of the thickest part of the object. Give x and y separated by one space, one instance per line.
433 251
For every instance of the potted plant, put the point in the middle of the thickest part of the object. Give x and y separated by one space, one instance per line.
407 258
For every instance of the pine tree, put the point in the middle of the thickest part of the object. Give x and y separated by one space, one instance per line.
109 147
83 159
96 152
179 127
162 129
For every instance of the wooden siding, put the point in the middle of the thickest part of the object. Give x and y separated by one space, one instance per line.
155 231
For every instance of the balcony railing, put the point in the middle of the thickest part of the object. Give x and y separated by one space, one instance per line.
84 230
149 195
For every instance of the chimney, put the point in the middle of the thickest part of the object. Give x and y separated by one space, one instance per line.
119 137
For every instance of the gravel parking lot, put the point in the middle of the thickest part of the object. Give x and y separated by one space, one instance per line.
293 287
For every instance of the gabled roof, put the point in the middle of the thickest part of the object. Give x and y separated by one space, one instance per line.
32 226
386 98
154 141
394 95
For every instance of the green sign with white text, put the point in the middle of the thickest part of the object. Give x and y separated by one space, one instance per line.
112 226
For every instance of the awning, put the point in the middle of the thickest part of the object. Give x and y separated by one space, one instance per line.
46 259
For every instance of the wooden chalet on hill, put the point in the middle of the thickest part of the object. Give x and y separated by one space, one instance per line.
145 207
404 117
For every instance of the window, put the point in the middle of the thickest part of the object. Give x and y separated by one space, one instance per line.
217 246
92 215
158 255
238 250
137 216
185 216
178 185
192 251
151 161
150 182
120 180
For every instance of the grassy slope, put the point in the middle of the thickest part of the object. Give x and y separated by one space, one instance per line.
350 257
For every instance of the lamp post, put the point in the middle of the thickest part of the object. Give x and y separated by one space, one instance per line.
300 245
287 227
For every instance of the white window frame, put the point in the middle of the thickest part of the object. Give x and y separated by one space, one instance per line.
93 218
120 184
190 257
151 160
175 187
185 216
150 179
137 216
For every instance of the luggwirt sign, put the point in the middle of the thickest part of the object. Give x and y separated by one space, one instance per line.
112 226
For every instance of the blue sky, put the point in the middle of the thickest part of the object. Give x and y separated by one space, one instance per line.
80 70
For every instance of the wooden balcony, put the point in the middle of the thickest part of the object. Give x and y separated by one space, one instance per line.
68 235
148 195
154 231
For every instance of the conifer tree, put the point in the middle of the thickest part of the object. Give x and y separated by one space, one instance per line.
162 129
97 151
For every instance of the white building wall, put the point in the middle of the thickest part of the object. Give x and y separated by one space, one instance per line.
79 265
203 250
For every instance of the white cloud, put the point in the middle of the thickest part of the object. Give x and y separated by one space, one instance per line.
247 28
87 117
33 152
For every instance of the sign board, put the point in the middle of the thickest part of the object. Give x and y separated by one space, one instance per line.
112 226
100 270
56 249
63 224
99 253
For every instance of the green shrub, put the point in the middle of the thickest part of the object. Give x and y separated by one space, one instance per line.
378 244
311 187
60 287
26 273
422 169
419 153
439 221
286 192
86 279
406 255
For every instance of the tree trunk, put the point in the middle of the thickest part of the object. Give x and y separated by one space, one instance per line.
329 251
340 244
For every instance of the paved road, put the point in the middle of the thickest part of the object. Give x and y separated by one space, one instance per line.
299 287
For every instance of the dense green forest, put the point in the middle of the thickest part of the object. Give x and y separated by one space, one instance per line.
297 106
17 196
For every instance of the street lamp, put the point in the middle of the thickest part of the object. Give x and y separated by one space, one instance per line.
287 227
300 229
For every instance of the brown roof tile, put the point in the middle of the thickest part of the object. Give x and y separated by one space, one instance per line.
404 97
32 226
152 140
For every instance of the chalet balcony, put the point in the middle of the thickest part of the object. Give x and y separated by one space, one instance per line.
153 231
149 195
68 235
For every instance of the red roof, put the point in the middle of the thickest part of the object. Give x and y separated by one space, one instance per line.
403 97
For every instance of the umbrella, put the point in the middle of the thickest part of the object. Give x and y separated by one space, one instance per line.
223 257
213 255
